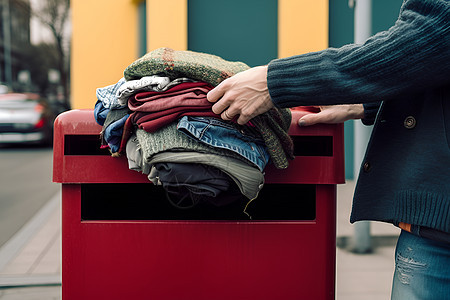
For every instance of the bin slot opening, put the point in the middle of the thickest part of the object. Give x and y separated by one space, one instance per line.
142 201
83 145
313 145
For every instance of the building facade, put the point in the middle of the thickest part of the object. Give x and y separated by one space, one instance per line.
14 39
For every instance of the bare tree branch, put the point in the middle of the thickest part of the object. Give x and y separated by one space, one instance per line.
53 14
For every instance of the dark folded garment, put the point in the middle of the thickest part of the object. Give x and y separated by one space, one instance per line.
189 184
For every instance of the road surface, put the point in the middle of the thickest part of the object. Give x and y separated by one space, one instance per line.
25 185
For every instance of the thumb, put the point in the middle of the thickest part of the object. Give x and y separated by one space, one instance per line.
215 94
309 119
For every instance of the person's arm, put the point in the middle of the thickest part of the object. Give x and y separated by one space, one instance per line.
411 56
370 112
333 114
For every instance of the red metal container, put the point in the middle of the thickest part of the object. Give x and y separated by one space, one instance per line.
116 247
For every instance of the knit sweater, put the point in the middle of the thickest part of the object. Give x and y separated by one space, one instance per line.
405 175
174 64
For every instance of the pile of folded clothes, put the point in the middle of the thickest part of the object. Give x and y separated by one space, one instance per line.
158 116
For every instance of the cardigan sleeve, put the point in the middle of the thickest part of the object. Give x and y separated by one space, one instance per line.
412 55
370 112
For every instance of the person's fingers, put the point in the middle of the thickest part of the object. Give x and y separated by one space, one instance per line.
314 118
333 114
220 97
226 115
242 120
220 106
246 114
305 121
216 93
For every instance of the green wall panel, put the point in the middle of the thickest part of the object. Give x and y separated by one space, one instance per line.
234 29
142 28
385 13
341 22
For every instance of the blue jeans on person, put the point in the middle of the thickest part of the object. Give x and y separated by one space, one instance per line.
221 134
422 269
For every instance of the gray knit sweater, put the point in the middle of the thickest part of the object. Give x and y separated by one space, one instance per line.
407 168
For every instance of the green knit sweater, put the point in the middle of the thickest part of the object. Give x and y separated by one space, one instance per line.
273 125
174 64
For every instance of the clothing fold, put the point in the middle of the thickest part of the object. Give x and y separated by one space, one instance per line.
159 116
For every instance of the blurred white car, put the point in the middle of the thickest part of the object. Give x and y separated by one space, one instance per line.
25 118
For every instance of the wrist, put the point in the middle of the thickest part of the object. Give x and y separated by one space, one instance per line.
356 111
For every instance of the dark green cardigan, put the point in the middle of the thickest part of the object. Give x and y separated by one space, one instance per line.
405 175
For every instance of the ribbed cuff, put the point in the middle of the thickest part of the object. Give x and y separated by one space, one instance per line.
289 78
423 209
370 112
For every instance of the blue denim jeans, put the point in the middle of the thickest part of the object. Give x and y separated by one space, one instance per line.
113 133
422 269
220 134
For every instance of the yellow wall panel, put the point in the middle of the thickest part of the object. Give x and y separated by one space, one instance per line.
302 26
104 43
167 24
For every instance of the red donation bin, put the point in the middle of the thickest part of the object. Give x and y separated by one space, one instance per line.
122 240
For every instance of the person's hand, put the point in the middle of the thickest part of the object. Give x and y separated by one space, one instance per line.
333 114
244 95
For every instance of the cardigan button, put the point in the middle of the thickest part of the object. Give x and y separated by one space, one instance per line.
410 122
367 167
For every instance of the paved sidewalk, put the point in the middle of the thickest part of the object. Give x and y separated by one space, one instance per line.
33 267
30 262
362 276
